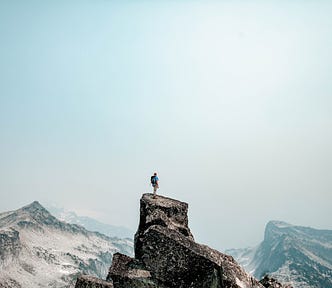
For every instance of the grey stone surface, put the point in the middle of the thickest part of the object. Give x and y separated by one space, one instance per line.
178 261
129 272
86 281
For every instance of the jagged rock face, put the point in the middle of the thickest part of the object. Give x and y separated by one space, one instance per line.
86 281
180 262
10 245
128 272
167 256
163 212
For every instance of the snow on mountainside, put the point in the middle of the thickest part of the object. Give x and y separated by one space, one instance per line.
90 223
38 250
298 255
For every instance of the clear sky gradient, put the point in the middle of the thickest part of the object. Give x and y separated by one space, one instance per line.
229 101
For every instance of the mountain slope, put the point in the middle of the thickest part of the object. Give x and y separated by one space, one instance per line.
90 223
38 250
295 254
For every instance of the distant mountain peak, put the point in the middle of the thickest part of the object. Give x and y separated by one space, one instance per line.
278 224
276 229
38 250
36 211
35 205
34 216
294 254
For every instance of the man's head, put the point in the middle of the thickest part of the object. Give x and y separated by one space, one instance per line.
155 173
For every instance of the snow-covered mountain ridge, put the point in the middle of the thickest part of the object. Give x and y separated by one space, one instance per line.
38 250
298 255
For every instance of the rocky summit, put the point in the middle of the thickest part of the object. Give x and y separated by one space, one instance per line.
166 255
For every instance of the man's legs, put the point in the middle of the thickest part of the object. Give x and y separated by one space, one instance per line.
155 187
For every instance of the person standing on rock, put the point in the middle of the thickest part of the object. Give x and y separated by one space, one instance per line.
155 183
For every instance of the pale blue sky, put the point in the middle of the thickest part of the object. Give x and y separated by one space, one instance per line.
230 101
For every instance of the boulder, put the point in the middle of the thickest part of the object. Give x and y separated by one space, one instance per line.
269 282
86 281
129 272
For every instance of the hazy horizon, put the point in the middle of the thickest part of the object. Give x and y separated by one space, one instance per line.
229 101
51 207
